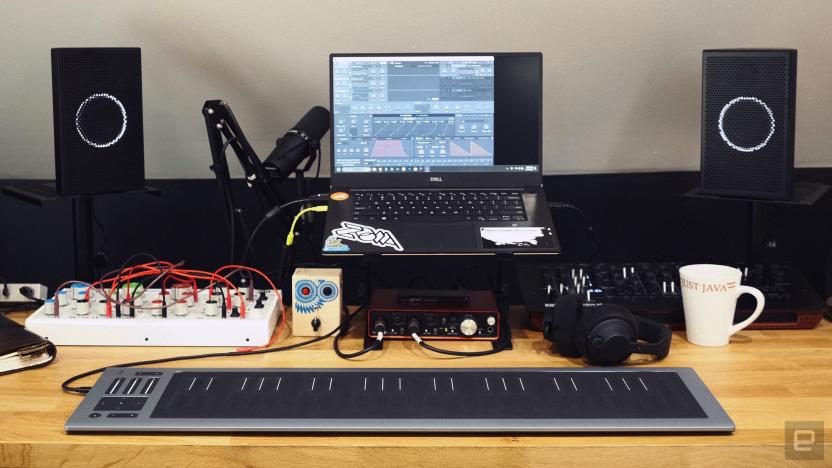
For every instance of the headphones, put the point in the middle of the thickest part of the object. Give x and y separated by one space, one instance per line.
604 334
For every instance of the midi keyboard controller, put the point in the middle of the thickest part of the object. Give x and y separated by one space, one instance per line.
503 400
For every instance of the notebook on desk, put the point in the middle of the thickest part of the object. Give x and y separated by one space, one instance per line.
21 349
437 153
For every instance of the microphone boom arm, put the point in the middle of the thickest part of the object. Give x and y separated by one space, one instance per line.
221 124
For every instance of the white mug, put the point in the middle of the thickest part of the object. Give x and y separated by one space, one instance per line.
709 298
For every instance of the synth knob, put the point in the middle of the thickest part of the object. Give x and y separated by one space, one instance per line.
82 307
468 326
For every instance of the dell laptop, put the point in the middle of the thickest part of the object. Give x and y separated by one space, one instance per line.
437 153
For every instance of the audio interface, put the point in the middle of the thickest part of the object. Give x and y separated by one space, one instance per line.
170 318
478 318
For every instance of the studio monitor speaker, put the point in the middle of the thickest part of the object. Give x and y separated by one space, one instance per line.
748 107
97 110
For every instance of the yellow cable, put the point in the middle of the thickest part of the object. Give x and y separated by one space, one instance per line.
291 237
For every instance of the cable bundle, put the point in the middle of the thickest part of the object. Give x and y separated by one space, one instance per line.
130 278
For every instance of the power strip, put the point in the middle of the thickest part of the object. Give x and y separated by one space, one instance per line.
39 291
185 322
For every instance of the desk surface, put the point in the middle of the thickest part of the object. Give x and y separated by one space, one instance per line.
763 379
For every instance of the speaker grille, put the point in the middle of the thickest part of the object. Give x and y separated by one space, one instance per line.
98 119
747 144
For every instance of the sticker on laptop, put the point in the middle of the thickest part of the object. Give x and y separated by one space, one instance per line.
515 237
334 244
366 235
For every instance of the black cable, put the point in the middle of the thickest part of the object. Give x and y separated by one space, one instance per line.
103 249
459 353
29 293
318 170
344 330
504 340
5 287
228 198
65 386
415 280
271 214
460 279
590 230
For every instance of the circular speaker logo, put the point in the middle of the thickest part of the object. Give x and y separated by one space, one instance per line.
749 121
101 120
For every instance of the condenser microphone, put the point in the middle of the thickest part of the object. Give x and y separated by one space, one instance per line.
294 146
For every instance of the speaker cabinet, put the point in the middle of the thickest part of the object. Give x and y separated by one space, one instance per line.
748 106
97 110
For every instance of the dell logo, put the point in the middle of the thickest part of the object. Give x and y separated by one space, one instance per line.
436 179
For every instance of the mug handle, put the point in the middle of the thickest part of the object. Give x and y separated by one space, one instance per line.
761 302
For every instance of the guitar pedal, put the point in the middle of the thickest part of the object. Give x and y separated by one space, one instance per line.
317 302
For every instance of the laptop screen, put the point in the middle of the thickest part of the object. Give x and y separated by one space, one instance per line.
436 113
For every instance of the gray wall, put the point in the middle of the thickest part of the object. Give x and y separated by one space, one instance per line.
622 78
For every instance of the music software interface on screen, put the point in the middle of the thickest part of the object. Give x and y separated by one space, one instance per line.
411 114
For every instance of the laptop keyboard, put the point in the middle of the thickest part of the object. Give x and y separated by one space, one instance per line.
436 205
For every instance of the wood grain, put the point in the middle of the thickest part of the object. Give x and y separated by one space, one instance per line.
764 378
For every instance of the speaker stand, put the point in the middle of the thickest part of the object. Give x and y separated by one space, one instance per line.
803 194
83 207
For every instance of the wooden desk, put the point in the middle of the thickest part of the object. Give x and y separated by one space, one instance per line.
762 379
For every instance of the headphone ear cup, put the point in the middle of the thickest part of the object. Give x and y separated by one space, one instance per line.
606 333
564 318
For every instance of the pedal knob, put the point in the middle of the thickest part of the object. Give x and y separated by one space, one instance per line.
316 323
468 326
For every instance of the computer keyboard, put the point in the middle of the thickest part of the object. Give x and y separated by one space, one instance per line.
652 290
439 205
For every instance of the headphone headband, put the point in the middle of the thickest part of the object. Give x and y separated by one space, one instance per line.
656 338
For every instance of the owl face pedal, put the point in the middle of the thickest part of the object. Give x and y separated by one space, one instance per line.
316 301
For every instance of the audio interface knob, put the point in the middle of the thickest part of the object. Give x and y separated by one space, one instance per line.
468 327
491 320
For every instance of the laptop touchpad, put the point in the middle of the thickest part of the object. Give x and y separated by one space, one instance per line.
440 237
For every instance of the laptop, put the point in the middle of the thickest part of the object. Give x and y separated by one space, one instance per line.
437 154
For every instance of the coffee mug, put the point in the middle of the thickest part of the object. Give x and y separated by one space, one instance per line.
709 298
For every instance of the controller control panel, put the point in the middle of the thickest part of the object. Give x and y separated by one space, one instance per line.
173 317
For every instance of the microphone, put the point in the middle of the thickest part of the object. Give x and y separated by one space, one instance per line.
294 146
